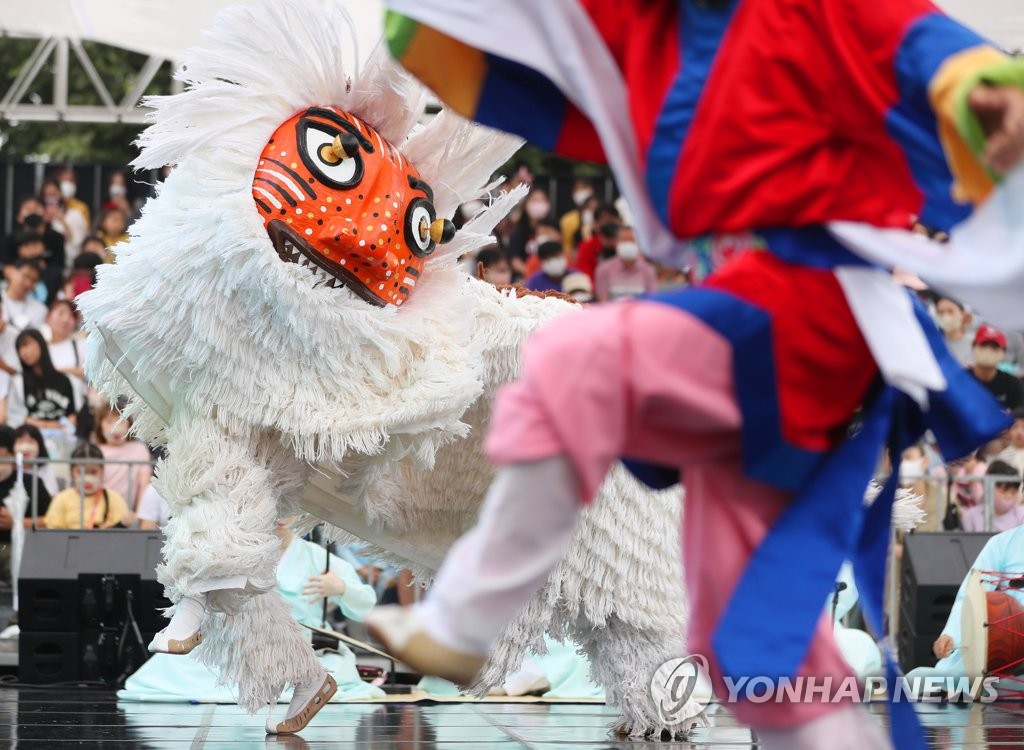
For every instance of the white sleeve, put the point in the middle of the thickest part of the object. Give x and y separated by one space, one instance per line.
149 505
17 412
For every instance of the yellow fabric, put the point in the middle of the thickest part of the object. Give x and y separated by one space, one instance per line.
65 513
570 224
971 182
452 70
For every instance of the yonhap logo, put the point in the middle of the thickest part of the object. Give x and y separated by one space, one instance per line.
673 686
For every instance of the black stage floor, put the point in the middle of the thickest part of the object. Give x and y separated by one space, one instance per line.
60 718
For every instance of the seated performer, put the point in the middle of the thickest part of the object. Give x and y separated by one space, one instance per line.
719 116
1003 553
304 583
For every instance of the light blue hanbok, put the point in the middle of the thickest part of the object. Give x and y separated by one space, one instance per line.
1002 553
857 647
167 678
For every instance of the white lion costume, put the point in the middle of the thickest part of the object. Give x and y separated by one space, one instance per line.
287 325
274 336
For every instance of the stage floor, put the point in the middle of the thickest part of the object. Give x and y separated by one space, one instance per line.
56 719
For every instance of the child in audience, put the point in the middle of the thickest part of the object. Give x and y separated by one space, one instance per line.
129 480
89 504
1007 512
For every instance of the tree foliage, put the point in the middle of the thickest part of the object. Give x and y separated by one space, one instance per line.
72 141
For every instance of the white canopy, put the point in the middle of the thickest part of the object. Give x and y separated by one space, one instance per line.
166 28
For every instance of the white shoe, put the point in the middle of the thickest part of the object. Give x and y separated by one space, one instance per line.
162 644
305 704
182 633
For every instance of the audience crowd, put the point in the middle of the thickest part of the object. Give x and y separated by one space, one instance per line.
73 455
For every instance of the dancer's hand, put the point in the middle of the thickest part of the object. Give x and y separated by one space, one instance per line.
322 586
1001 111
942 647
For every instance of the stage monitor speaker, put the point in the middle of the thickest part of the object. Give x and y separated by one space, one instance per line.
933 566
88 656
88 604
61 587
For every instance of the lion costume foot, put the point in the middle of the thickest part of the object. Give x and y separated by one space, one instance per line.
182 633
305 704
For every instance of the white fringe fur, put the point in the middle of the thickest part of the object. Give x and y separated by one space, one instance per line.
234 361
249 375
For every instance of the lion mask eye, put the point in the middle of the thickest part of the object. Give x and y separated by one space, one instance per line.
320 145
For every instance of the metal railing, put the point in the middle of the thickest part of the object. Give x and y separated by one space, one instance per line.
942 491
33 465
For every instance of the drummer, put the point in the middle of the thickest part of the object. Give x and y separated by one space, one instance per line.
1005 553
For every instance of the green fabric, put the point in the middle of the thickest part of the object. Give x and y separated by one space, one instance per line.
1009 73
399 31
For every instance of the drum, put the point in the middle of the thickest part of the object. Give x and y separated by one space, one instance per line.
992 627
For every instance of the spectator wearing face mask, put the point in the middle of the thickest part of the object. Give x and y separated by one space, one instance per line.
89 504
987 353
554 265
628 274
1007 512
28 442
524 240
955 322
117 195
493 267
572 220
601 245
30 219
77 217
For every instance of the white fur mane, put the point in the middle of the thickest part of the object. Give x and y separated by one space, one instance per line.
206 313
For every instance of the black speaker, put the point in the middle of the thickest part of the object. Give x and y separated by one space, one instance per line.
48 657
83 597
933 567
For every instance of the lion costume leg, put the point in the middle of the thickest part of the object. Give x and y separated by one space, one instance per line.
225 496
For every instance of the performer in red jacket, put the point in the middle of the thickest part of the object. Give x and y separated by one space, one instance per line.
811 124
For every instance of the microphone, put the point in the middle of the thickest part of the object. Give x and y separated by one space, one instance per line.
840 587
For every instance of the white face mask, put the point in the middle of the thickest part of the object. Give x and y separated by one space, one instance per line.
67 188
91 485
582 296
951 322
627 250
537 210
986 356
580 196
117 191
554 266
